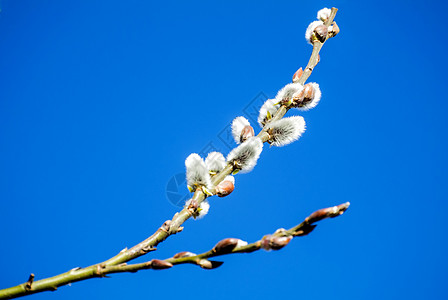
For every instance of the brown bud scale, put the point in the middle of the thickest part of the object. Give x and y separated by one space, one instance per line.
321 32
297 75
247 132
225 188
158 264
225 246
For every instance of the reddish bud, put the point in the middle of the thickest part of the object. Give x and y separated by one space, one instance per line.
329 212
246 133
272 242
225 246
158 264
297 75
305 96
225 188
278 242
308 94
321 32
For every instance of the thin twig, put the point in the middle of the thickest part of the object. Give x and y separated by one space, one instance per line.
275 241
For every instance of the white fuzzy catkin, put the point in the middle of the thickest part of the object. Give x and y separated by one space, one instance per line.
324 14
310 29
215 162
246 154
288 91
237 127
316 99
197 172
204 207
270 106
286 130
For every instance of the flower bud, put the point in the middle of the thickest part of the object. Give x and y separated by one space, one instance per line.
329 212
247 132
297 75
308 93
272 242
308 97
324 14
158 264
321 32
225 246
225 187
209 264
310 35
278 242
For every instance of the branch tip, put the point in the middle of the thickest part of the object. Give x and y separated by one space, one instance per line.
330 212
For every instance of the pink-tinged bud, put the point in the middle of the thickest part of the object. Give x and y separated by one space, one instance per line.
247 132
305 96
225 188
225 246
183 254
308 93
329 212
297 75
278 242
209 264
321 32
158 264
298 98
271 242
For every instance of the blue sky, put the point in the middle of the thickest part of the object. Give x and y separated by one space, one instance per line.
102 101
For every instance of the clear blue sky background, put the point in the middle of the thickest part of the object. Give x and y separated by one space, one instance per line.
102 101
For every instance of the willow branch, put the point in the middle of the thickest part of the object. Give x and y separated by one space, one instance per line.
274 241
168 228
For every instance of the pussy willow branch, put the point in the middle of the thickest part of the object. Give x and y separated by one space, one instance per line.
170 227
202 259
